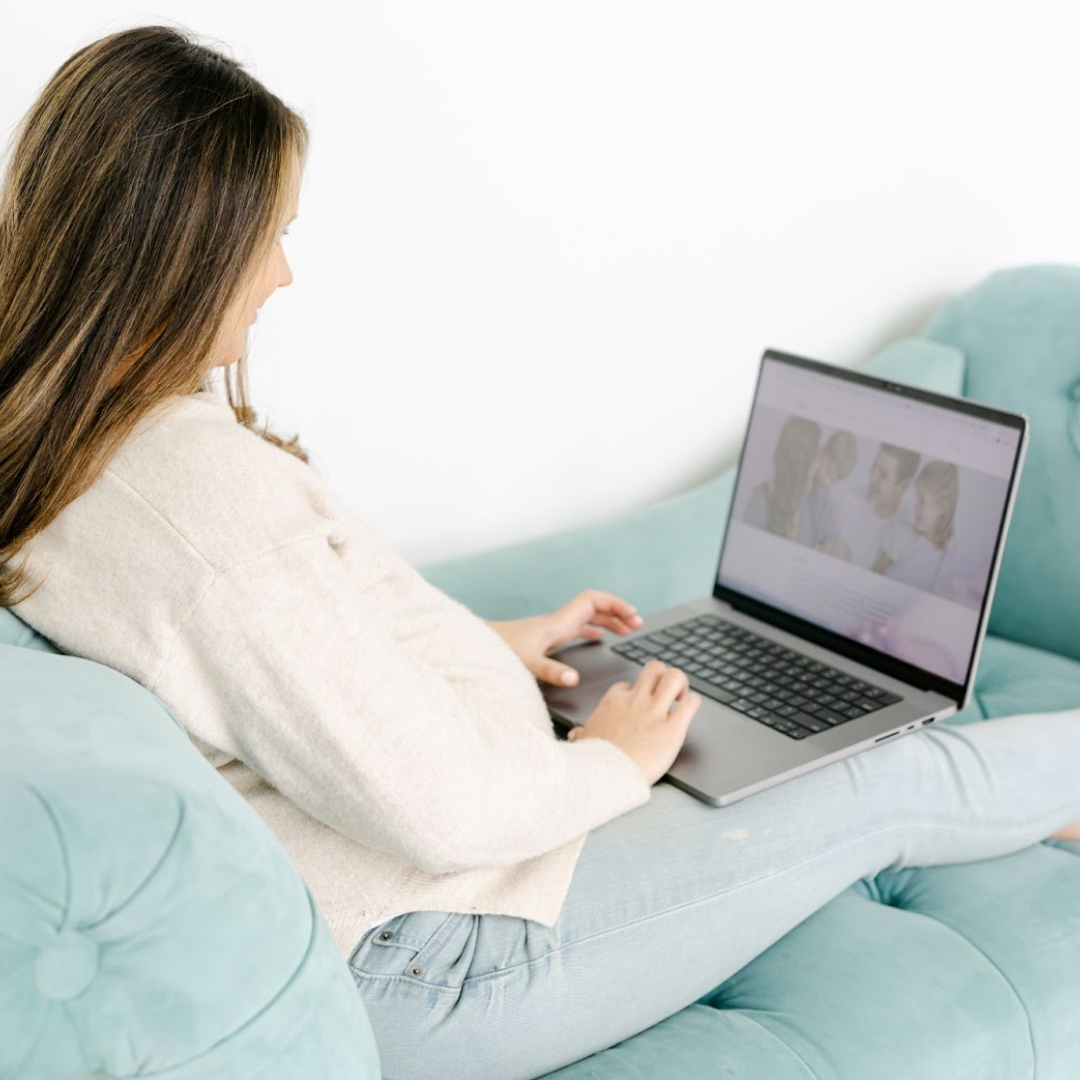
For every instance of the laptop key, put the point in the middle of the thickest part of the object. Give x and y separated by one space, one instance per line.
736 667
724 697
831 717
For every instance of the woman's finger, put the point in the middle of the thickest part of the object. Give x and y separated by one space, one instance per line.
608 605
650 675
612 621
673 683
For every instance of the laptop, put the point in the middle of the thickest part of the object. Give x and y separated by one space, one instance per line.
856 573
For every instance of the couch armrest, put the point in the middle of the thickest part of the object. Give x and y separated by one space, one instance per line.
152 923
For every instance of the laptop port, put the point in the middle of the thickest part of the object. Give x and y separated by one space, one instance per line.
929 721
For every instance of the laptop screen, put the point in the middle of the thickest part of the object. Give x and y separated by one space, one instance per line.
872 512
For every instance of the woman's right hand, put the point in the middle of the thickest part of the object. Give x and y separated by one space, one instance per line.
638 721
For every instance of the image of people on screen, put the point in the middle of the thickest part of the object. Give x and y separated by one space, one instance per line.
820 513
889 511
874 522
919 555
777 503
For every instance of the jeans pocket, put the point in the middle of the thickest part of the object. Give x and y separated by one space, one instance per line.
402 945
433 947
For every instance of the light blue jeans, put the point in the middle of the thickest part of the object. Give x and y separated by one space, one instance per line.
670 899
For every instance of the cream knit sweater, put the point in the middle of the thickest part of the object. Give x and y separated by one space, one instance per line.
390 738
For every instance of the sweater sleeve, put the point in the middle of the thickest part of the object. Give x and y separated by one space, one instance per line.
283 664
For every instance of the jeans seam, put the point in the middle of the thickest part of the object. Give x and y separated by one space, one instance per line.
437 939
409 980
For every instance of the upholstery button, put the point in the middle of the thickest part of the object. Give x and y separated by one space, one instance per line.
386 935
66 966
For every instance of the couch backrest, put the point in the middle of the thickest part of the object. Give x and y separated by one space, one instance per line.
1019 331
13 631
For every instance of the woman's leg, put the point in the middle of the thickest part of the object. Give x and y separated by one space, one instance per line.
670 899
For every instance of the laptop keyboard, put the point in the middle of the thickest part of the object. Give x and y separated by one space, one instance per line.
774 685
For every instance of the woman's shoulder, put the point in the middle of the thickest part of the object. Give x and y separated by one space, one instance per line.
229 492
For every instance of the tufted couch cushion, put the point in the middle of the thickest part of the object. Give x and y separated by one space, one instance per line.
945 973
150 923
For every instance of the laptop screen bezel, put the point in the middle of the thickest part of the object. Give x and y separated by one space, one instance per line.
830 639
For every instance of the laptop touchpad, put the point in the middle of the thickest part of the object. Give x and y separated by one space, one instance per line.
595 662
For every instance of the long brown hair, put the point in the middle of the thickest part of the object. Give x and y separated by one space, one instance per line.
146 188
792 461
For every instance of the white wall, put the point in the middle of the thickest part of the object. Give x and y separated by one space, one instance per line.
542 245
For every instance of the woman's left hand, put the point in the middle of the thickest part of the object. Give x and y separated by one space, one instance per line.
587 616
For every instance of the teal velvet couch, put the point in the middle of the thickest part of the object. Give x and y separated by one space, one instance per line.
151 925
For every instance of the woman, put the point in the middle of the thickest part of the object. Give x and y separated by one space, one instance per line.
488 883
834 463
920 554
775 504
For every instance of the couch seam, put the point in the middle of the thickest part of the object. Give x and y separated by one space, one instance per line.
991 963
812 1073
62 844
149 876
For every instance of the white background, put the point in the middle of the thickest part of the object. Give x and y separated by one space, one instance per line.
542 245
